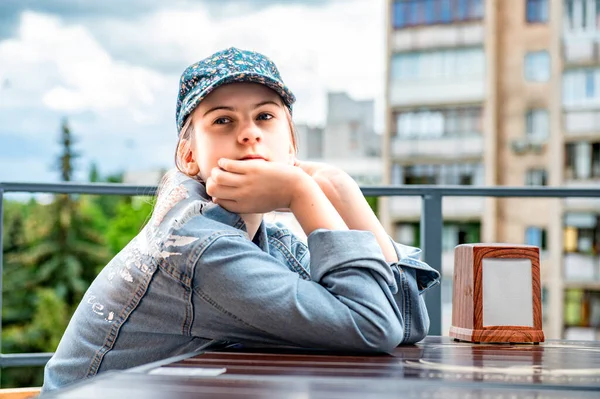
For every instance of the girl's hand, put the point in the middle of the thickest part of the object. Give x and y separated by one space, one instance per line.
319 170
345 195
332 180
253 186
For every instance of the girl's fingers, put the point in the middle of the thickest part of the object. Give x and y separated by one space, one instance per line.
225 178
225 192
232 166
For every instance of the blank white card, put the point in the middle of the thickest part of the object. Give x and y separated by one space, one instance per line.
507 292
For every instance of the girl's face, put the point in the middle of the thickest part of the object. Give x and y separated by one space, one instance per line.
239 121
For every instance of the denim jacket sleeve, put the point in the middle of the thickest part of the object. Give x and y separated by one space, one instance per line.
244 294
413 277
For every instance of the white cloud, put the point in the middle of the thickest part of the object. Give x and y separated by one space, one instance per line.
72 72
337 47
122 108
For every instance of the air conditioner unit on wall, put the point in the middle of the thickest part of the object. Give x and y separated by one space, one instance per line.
519 146
537 144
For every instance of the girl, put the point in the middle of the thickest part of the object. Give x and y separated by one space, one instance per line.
207 269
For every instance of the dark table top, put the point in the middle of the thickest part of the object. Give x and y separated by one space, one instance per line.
438 367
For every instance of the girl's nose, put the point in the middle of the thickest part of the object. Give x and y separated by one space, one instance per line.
250 134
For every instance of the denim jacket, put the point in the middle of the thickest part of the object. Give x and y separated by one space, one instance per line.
193 276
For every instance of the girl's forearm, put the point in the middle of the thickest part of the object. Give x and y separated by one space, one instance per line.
345 195
312 208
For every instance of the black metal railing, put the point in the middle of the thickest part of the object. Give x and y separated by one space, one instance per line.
431 226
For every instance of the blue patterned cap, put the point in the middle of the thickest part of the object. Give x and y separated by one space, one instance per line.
227 66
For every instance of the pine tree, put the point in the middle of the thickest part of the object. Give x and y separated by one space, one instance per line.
18 292
67 252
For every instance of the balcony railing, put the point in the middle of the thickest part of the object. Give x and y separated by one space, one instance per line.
431 227
447 147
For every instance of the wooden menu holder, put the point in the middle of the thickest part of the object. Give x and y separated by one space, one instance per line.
496 294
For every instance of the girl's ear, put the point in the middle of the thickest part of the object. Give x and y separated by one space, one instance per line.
187 158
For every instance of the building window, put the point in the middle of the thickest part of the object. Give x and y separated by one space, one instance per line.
407 234
582 15
537 66
536 177
430 12
590 86
582 160
580 87
397 174
536 236
536 124
440 64
454 234
446 174
537 10
435 123
420 174
582 233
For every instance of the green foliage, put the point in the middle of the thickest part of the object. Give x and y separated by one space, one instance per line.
127 223
68 156
66 252
43 332
18 292
374 204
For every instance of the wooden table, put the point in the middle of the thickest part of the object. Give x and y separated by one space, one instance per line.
438 367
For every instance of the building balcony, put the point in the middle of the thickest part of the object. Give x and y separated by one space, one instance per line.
365 170
581 269
446 148
455 208
439 36
582 123
581 50
438 91
577 204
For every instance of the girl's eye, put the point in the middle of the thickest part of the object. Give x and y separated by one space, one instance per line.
222 121
264 116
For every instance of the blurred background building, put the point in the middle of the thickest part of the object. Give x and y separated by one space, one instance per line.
348 139
501 92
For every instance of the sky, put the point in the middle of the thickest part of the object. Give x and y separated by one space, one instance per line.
112 69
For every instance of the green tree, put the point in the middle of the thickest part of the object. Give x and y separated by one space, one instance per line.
18 292
119 218
131 215
374 204
94 175
67 157
107 204
67 251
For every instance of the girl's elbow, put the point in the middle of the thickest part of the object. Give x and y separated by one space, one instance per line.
387 336
394 336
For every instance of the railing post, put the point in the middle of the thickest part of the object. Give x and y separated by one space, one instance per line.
431 242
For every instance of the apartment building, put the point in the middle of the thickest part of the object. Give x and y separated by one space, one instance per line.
501 92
